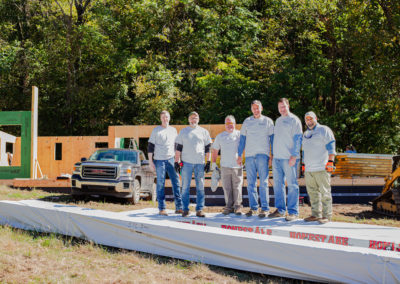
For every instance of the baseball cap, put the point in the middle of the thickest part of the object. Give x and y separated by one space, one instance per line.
311 114
192 113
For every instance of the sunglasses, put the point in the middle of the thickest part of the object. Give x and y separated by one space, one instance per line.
308 136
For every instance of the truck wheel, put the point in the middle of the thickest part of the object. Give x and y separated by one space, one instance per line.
135 192
154 193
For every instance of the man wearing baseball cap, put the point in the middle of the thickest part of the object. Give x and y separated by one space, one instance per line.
319 154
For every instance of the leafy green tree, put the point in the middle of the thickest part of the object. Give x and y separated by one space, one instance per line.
100 63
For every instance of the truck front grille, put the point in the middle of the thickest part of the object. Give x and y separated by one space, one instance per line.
99 172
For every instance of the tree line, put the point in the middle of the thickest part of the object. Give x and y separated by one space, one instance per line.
111 62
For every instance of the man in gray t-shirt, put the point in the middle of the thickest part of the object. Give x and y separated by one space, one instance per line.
231 173
193 148
319 154
161 149
287 143
256 135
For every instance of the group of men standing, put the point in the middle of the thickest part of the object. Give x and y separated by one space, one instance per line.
263 145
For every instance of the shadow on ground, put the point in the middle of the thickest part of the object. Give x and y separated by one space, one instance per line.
66 198
368 215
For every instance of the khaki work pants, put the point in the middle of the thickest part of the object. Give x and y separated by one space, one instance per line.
319 190
232 181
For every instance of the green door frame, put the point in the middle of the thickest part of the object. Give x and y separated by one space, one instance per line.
22 118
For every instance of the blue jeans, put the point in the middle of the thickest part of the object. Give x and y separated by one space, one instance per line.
282 170
163 167
254 164
186 173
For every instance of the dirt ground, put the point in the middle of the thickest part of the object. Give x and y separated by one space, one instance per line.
352 213
355 213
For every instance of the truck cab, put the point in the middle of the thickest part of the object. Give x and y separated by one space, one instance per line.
122 173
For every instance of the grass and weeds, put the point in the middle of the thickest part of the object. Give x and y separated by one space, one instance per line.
32 257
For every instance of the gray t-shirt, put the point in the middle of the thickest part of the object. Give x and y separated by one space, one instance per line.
193 141
228 144
315 147
287 137
164 142
257 132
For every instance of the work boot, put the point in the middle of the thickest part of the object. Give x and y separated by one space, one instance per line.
163 213
185 213
238 211
323 220
179 211
251 212
291 217
200 213
276 214
263 213
227 211
311 219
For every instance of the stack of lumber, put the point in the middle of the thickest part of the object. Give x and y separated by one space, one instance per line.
363 165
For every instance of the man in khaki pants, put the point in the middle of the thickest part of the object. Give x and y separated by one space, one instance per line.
319 154
231 172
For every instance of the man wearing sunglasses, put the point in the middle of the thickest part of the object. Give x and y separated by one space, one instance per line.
319 154
232 174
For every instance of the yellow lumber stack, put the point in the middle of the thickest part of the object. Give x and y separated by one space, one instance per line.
363 165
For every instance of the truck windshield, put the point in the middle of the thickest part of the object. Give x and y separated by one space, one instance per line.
114 155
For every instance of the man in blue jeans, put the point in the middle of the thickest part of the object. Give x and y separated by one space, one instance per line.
161 149
256 136
287 143
193 148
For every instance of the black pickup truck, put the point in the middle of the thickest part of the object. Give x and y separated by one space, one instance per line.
122 173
